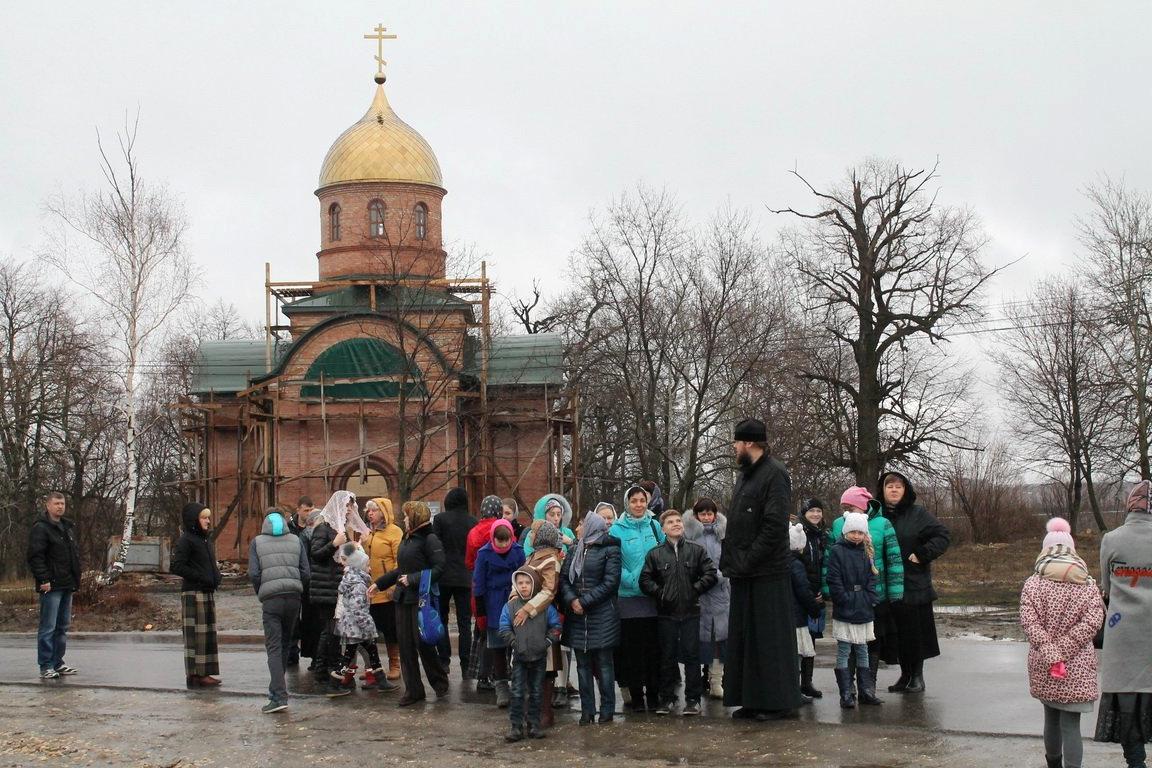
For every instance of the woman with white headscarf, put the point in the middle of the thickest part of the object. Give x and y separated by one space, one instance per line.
339 520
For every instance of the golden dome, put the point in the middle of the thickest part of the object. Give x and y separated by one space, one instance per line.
380 147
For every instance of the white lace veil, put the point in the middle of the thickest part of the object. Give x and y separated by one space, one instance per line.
335 514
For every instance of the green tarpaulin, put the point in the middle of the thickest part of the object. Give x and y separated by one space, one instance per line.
356 359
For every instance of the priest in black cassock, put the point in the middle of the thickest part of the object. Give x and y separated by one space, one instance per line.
760 673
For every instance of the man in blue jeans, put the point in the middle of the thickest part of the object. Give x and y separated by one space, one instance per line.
55 564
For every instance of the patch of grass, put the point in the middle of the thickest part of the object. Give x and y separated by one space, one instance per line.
992 574
17 592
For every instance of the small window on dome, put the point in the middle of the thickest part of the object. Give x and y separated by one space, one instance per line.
376 218
421 221
334 221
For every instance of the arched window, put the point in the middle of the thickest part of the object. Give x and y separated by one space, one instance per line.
421 221
376 218
334 221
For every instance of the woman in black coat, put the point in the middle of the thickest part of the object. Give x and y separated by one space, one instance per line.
922 539
194 560
420 551
589 580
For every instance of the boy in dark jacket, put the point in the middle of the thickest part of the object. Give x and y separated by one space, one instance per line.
675 574
530 642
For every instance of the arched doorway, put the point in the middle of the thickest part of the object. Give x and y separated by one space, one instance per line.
369 482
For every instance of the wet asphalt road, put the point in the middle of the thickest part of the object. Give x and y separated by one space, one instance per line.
128 706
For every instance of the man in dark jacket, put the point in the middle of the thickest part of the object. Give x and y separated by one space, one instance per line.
55 564
675 574
760 670
452 526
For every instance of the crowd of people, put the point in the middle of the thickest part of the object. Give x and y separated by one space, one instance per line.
650 600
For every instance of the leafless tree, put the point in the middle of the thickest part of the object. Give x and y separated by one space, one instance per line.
1117 240
889 273
985 485
526 312
124 246
1056 382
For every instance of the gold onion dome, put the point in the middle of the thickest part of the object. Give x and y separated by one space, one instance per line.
380 147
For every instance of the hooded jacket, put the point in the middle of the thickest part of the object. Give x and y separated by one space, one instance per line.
492 577
420 551
539 513
716 602
382 545
53 555
757 540
920 534
804 603
637 535
675 574
277 560
193 557
599 625
851 583
889 560
531 640
452 527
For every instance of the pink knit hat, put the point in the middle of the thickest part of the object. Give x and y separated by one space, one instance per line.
856 496
1059 532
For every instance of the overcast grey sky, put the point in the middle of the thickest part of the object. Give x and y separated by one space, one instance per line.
541 111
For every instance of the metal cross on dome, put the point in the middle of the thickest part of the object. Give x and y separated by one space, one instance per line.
380 37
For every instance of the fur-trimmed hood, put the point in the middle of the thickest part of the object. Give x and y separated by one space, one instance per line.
694 529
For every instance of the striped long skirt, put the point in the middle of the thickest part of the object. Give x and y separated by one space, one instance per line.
200 652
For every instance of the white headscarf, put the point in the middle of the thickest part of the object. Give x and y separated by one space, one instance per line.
336 514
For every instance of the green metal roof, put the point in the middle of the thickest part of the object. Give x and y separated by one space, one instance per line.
399 298
227 367
530 359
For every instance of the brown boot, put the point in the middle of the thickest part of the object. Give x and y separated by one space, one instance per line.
547 718
207 681
393 661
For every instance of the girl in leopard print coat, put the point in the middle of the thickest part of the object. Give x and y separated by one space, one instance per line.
1060 611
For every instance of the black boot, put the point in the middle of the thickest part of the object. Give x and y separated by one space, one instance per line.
866 683
1055 762
807 665
916 679
901 683
847 694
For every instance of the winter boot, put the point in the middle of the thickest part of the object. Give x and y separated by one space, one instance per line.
866 683
368 679
503 693
916 679
716 680
393 661
901 683
560 699
847 694
1055 762
381 682
807 666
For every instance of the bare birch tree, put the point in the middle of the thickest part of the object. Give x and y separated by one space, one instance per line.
124 246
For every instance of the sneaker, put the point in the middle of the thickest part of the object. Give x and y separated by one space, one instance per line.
274 706
691 708
514 734
64 669
664 708
49 674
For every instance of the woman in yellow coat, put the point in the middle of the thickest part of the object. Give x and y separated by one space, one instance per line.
381 545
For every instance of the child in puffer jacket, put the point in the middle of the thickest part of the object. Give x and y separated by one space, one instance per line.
852 586
354 624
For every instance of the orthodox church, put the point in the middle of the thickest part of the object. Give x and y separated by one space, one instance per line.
385 378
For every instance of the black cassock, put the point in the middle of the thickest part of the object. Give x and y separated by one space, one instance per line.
760 669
